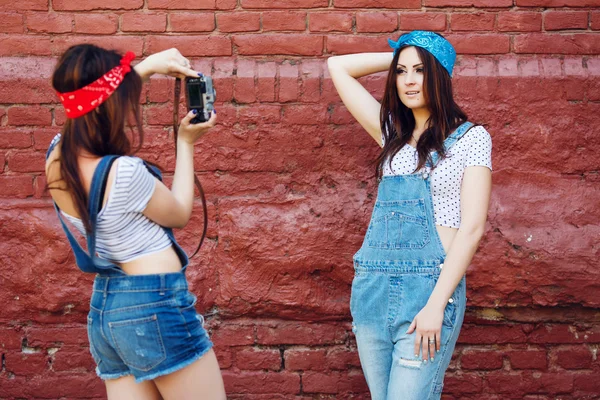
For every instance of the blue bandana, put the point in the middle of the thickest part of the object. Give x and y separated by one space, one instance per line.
441 49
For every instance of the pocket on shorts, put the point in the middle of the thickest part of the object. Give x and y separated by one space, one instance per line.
139 342
398 224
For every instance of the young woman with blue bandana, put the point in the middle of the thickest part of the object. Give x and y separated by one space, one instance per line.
434 174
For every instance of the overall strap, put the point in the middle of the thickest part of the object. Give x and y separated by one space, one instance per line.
452 139
94 204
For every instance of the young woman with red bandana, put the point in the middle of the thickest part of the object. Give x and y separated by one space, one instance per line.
145 336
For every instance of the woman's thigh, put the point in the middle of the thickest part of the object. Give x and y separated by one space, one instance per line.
126 388
200 380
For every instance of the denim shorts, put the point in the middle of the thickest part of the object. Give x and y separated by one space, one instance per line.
144 325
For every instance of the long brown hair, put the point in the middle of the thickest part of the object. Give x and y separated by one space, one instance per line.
398 122
102 131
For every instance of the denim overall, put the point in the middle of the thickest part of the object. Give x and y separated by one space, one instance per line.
140 325
396 270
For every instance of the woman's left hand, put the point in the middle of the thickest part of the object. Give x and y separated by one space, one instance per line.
428 324
168 62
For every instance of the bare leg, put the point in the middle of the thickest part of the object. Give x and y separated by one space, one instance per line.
200 380
126 388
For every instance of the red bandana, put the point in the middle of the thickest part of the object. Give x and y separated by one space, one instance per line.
84 100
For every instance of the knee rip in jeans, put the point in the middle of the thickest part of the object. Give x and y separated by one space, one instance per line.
416 364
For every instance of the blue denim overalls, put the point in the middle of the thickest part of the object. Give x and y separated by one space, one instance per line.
140 325
396 270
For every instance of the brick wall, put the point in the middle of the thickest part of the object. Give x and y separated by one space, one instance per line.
290 190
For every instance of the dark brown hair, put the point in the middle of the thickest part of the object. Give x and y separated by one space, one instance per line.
398 122
102 131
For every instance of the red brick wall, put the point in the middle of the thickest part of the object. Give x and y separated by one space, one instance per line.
290 189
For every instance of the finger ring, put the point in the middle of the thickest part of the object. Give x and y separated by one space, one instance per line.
431 340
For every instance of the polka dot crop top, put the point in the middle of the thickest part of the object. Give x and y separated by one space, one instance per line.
474 148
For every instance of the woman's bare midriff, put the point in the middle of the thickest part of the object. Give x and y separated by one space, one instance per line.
447 236
165 261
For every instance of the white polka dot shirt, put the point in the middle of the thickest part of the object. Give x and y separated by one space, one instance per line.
474 148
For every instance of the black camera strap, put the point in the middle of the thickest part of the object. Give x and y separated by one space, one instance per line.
196 180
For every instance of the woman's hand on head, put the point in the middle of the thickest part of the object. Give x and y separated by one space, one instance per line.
168 62
189 132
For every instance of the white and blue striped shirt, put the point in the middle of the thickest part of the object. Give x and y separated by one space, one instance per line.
123 233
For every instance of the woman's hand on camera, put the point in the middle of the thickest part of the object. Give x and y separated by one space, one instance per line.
189 132
168 62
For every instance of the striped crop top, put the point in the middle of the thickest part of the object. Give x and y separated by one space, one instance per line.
123 233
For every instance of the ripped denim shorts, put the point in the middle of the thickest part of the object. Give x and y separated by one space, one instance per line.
144 325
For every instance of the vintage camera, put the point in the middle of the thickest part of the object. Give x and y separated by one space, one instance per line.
200 95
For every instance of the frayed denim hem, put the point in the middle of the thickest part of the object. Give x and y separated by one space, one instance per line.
106 377
177 367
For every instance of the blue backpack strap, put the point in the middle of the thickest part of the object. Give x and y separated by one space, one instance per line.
53 144
452 139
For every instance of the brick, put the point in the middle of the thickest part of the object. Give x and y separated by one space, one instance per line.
11 138
431 21
260 382
330 22
192 22
292 333
182 5
528 359
78 5
24 45
80 360
471 334
376 21
574 66
71 335
275 4
393 4
29 115
529 383
26 162
347 44
341 116
144 22
557 44
551 66
595 20
342 358
310 72
16 186
238 22
574 358
288 83
159 114
284 21
49 23
190 46
96 24
26 364
259 114
466 383
11 339
468 3
472 21
39 187
233 336
305 114
559 20
226 4
118 43
258 359
223 79
244 90
12 23
289 44
557 3
267 75
305 359
587 382
25 5
480 44
509 21
334 382
481 360
224 357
